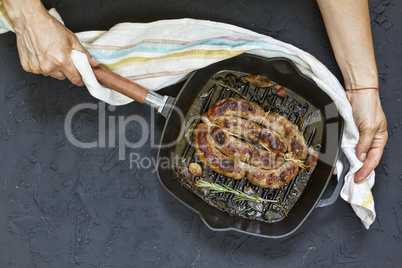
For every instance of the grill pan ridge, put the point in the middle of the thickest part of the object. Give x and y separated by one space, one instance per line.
304 104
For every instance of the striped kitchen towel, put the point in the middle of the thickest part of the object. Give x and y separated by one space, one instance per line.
162 53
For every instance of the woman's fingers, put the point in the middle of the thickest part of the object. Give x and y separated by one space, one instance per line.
49 52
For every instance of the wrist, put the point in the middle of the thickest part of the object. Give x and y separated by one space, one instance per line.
360 95
360 77
356 85
21 11
361 84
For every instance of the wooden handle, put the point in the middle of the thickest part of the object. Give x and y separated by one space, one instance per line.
120 84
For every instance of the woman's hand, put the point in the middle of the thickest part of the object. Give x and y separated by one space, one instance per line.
370 119
44 44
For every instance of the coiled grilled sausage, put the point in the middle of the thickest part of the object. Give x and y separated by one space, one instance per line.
289 132
244 151
236 169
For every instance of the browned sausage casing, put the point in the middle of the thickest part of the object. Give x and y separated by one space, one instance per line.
289 132
244 151
274 178
297 146
213 158
250 131
236 107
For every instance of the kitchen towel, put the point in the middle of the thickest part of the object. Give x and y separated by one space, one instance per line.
162 53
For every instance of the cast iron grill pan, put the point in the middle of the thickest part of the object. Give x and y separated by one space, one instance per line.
298 112
304 104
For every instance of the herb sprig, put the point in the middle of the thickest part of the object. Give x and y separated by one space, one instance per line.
238 195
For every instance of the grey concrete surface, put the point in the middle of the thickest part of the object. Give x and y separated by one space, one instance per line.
61 206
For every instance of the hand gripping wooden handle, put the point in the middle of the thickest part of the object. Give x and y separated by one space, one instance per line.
120 84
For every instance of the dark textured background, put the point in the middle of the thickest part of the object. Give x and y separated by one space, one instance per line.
62 206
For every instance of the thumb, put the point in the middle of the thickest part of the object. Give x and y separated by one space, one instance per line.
92 61
364 144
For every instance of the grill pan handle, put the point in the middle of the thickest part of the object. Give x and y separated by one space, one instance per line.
337 190
132 90
120 84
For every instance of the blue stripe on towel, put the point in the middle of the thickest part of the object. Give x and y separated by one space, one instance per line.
161 48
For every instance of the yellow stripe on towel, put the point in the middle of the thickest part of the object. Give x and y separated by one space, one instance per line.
180 56
368 197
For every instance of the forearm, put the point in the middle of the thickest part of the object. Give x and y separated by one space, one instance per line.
21 11
348 26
